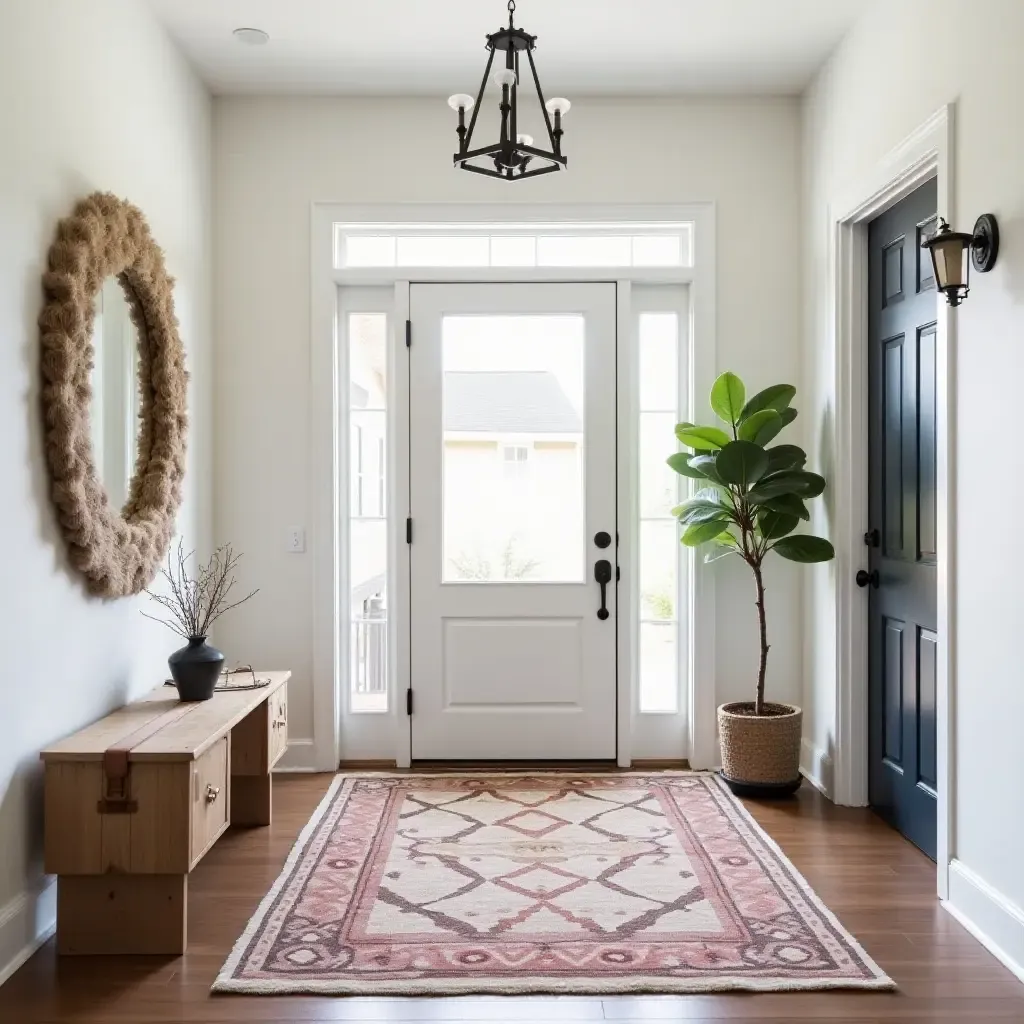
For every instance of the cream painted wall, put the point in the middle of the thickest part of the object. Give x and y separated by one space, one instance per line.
92 96
899 65
274 157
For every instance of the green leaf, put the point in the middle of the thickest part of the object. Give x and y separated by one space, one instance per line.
727 397
701 533
706 464
704 514
777 397
703 438
741 463
680 462
798 482
808 485
785 456
788 504
776 524
751 427
705 496
804 548
708 494
772 427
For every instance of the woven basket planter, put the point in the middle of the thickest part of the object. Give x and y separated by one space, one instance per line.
760 750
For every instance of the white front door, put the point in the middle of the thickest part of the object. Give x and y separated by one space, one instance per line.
512 449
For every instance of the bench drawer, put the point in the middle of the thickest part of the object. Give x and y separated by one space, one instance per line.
210 811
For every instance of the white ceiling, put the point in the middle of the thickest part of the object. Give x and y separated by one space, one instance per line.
604 47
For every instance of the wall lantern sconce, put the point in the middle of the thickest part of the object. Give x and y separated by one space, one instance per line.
953 252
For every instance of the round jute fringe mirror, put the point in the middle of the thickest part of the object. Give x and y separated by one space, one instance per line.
117 549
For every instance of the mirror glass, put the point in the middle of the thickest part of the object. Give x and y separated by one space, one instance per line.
114 413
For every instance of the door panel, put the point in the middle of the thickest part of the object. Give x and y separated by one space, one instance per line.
902 494
512 417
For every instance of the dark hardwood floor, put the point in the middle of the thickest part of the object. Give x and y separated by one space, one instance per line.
879 885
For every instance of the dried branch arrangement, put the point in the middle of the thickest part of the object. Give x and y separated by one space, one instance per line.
195 602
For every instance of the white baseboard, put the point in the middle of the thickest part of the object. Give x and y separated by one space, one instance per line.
25 924
816 767
299 757
995 921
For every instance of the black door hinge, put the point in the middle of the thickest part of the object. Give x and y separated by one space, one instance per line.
408 334
618 574
408 701
408 530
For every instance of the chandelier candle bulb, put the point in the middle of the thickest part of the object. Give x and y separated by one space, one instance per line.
460 101
506 76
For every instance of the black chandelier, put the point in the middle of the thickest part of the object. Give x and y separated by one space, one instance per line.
514 156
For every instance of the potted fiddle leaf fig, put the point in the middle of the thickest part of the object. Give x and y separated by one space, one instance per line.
753 497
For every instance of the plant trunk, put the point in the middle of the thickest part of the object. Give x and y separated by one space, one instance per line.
763 630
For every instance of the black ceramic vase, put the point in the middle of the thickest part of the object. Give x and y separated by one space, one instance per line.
196 669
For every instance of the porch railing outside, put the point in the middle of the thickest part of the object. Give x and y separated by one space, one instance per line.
370 647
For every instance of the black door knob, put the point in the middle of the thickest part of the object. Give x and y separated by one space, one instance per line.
864 578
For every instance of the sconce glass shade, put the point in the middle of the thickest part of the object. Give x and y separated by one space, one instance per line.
950 252
953 252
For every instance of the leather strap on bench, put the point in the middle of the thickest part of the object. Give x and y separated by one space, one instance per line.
117 796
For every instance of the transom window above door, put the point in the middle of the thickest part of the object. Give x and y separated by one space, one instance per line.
513 245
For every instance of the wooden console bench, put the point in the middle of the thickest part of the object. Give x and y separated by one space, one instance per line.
135 800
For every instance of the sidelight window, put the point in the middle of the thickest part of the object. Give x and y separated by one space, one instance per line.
513 245
660 557
365 338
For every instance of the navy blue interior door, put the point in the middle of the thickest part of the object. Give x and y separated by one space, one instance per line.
901 544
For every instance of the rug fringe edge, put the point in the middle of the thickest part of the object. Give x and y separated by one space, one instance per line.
440 988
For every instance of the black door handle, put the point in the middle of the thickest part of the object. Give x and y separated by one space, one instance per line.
864 578
603 575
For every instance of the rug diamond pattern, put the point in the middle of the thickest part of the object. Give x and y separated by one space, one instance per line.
562 883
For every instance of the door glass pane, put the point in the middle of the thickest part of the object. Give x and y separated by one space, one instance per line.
443 250
513 449
368 525
584 251
659 485
513 251
657 250
658 589
370 251
658 646
658 336
659 362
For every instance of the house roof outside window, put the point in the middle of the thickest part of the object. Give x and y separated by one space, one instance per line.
507 402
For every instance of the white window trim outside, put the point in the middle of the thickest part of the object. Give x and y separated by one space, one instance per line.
386 737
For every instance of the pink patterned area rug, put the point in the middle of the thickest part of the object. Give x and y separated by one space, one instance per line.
513 884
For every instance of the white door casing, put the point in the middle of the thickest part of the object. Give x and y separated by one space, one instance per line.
512 475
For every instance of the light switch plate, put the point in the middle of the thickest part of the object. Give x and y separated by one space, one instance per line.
295 542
